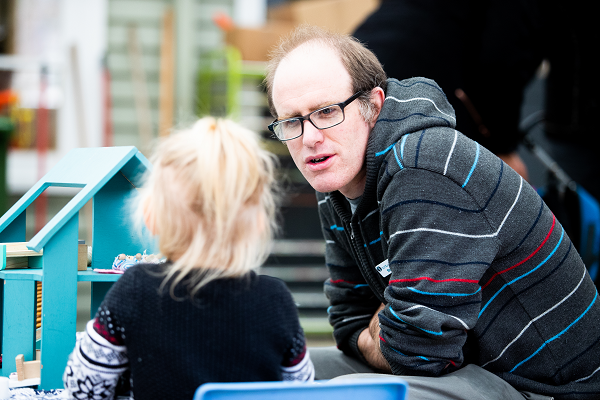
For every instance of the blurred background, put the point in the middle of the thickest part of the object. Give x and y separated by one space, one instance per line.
124 72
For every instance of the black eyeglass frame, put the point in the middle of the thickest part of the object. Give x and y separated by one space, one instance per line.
306 117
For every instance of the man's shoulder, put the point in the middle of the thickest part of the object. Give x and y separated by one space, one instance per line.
445 151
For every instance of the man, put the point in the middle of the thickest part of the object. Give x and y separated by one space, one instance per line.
445 266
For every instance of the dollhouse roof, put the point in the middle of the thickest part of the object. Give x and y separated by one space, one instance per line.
86 168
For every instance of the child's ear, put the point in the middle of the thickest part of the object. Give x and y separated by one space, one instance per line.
149 217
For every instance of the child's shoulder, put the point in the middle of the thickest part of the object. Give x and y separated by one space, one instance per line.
144 275
271 288
270 282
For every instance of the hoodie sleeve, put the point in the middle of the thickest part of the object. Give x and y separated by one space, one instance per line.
440 244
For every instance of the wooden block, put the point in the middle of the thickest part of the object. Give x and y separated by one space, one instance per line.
19 249
27 369
32 369
16 255
82 257
16 262
20 370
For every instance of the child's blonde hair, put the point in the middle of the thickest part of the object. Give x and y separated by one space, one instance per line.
210 199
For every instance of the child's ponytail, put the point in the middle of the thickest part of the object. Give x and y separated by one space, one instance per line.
211 195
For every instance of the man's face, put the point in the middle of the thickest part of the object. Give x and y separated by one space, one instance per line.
310 77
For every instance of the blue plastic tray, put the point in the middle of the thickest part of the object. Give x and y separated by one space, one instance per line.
364 389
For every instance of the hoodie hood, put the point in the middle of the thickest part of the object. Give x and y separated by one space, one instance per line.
411 105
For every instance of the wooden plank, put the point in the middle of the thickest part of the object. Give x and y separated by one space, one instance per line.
167 75
82 252
20 249
15 255
16 263
20 369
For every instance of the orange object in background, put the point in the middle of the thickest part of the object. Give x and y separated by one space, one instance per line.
341 16
255 44
7 98
223 21
26 121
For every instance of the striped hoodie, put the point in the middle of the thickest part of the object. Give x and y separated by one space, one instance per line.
471 264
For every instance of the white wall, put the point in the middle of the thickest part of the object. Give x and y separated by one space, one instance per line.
46 30
83 24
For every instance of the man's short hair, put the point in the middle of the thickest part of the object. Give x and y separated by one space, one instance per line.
366 72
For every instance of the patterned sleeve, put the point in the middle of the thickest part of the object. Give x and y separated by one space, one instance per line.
434 295
99 365
297 365
97 362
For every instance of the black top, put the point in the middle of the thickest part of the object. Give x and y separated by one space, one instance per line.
242 329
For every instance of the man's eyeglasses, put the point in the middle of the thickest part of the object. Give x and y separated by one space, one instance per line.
323 118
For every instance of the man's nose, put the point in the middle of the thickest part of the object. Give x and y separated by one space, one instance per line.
311 135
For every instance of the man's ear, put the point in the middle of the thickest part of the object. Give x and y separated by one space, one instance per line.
377 98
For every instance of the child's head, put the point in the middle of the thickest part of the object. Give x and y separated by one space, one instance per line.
210 200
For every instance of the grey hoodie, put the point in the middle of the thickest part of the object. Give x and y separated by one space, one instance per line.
470 263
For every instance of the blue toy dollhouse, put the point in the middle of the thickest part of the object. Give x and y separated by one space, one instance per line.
110 177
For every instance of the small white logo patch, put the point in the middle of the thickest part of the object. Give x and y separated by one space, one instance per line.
384 268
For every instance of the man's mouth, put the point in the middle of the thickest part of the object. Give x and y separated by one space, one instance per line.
318 160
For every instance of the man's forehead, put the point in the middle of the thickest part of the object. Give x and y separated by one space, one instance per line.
312 53
314 46
313 75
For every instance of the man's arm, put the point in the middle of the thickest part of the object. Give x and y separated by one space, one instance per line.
439 247
368 344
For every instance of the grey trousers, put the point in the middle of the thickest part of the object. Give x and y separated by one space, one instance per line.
468 383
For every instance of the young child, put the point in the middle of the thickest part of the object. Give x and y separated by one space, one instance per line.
204 315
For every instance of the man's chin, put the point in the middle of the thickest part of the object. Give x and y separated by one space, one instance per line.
321 186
